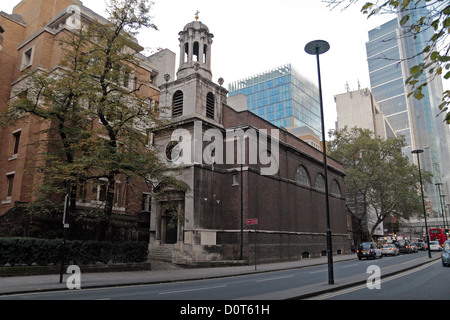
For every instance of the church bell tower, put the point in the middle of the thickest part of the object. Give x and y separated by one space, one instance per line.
193 93
195 50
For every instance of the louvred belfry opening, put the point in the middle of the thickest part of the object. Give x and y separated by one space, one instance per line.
177 105
210 105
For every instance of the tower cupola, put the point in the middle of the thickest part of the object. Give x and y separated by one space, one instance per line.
195 50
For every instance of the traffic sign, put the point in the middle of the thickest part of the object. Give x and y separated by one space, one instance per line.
252 222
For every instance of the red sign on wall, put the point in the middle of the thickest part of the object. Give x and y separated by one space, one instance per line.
252 222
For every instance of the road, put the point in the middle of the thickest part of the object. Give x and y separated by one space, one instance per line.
428 282
264 286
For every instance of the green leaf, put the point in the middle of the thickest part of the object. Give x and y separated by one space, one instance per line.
446 23
443 106
446 10
434 55
418 94
404 20
366 6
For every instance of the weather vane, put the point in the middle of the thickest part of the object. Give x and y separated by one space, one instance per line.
196 15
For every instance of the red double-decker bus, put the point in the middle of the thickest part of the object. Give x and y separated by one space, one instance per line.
438 234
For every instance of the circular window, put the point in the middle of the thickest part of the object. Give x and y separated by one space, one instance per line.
173 150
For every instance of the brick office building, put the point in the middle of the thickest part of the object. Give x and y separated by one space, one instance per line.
31 37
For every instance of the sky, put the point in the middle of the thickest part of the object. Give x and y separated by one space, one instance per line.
253 36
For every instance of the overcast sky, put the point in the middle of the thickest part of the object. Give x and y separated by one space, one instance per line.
252 36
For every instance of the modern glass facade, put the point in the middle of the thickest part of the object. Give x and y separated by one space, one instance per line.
391 53
387 79
282 96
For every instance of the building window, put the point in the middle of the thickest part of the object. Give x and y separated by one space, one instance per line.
335 188
302 176
16 137
177 104
235 180
129 79
146 202
118 195
210 105
10 181
9 187
99 190
320 182
27 58
81 192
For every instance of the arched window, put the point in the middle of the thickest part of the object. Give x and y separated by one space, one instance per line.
196 52
335 188
320 182
210 105
205 48
186 52
302 176
177 104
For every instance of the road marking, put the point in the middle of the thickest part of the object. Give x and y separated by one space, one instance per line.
351 265
262 280
312 272
188 290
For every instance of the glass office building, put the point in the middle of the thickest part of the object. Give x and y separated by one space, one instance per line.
282 96
391 53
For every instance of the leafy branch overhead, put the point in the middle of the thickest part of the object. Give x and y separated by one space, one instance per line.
435 26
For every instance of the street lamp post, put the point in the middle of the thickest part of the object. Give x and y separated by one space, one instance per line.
316 48
418 151
446 206
439 184
443 211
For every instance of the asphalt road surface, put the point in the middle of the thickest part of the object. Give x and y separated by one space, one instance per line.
427 283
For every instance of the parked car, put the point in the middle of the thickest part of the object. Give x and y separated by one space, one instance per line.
390 249
446 254
404 246
434 246
368 250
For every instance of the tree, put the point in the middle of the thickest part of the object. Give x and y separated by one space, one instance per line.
100 82
379 178
435 24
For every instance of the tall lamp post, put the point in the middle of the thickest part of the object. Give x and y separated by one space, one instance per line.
317 47
439 184
419 151
446 221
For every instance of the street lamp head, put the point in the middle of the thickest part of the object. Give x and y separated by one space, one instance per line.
417 151
317 47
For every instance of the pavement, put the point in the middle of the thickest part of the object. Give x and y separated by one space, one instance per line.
161 274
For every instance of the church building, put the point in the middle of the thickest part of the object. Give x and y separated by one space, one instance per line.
247 181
